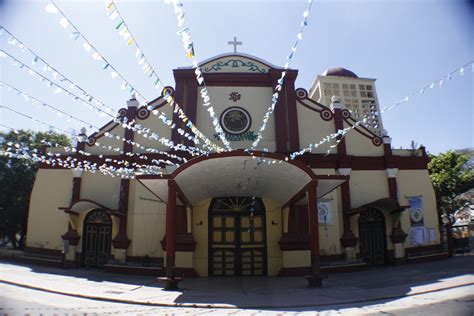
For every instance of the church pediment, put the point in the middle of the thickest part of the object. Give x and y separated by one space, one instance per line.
239 63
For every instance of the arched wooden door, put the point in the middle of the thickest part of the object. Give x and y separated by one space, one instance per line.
97 235
237 237
372 237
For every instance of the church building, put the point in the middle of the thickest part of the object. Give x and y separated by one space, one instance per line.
360 203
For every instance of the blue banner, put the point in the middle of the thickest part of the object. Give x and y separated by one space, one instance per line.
416 211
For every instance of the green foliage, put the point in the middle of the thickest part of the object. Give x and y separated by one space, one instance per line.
451 174
16 181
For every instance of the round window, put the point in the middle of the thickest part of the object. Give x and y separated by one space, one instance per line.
235 120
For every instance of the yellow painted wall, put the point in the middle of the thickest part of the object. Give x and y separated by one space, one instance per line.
157 126
255 100
200 234
360 145
367 186
106 141
413 183
274 232
146 222
312 129
101 188
296 258
329 234
46 223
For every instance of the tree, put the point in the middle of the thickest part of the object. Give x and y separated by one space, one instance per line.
16 181
451 174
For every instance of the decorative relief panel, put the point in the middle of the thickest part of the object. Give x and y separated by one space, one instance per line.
235 64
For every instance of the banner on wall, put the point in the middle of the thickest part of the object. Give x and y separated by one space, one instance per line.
416 211
417 235
324 213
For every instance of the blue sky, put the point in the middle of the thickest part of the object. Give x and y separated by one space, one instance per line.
404 44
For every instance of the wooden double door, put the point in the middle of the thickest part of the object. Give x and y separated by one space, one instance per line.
237 239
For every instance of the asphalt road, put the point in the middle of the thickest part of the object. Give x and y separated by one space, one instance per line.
16 300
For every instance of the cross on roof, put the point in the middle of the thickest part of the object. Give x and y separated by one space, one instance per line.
235 43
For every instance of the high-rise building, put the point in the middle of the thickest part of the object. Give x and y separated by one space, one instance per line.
358 95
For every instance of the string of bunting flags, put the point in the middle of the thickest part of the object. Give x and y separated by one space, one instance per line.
341 133
76 164
97 144
277 89
188 46
184 32
146 132
76 35
115 74
125 32
49 69
77 120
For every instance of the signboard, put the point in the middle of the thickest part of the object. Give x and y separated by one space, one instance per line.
324 213
416 211
418 235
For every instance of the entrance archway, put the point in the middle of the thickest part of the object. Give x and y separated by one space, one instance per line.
97 237
237 237
372 237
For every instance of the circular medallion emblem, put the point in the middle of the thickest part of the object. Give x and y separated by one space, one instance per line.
416 215
235 120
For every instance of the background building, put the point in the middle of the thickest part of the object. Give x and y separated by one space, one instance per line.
358 95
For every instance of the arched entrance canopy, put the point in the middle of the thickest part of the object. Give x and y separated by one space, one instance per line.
238 173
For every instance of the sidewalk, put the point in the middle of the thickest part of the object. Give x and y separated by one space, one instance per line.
257 292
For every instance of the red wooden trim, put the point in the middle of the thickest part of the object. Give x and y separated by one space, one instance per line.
181 196
129 133
191 105
322 106
153 176
314 229
68 208
76 189
179 98
99 134
292 115
392 188
310 108
339 125
242 153
170 229
332 177
307 161
298 196
280 122
43 251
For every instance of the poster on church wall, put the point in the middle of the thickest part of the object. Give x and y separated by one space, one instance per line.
416 211
324 213
418 235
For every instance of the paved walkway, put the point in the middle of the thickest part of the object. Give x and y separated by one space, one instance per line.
272 292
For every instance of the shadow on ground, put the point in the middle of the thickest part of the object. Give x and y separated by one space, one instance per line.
276 293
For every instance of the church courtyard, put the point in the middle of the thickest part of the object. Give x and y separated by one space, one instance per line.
448 282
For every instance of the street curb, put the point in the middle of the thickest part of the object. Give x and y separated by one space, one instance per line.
223 306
